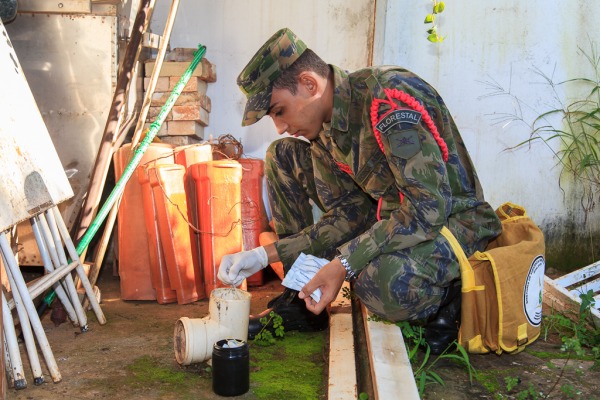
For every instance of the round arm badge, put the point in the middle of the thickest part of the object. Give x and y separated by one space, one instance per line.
404 143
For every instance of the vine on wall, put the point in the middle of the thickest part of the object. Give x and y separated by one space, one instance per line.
437 9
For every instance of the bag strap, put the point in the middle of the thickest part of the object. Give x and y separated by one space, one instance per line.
466 271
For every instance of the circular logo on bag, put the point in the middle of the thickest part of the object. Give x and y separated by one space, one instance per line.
533 291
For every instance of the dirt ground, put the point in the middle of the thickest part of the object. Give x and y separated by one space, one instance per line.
132 357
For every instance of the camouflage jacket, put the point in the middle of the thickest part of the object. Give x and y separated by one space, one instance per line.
400 163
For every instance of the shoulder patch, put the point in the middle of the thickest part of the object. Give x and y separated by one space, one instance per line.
405 144
398 116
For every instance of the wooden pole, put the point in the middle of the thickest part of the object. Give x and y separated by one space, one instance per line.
104 156
110 221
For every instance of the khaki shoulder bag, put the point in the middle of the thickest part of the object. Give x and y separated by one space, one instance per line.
502 287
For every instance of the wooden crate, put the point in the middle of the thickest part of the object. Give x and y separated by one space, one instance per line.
562 294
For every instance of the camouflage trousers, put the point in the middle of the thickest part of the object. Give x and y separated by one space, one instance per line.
404 285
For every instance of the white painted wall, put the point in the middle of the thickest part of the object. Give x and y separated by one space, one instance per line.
233 30
499 42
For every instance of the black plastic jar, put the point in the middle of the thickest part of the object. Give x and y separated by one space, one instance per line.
230 367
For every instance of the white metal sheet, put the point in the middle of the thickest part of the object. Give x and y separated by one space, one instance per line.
32 178
55 6
70 64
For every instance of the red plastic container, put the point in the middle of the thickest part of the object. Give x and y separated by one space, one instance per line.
171 211
134 261
218 190
186 156
158 265
254 215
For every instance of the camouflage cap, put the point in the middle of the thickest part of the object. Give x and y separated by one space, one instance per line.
256 79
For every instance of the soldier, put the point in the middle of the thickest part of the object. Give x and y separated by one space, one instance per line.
385 162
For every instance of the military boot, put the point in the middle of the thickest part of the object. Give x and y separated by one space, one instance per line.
442 328
294 313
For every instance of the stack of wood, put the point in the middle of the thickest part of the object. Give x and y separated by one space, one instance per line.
190 114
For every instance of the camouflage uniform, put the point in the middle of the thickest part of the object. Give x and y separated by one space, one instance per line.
402 261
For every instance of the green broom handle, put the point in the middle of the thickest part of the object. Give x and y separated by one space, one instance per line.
139 152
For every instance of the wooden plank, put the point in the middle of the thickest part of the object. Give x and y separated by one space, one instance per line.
579 275
563 301
390 367
342 360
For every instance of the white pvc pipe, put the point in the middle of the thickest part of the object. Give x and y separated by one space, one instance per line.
43 283
31 311
51 224
37 228
12 348
228 318
89 291
34 360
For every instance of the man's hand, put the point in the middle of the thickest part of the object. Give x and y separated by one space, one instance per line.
236 267
329 279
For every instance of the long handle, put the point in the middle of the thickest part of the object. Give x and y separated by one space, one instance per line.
139 152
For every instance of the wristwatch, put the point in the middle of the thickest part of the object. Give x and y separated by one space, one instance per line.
350 275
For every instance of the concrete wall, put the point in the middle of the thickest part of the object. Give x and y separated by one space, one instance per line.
489 45
233 31
507 44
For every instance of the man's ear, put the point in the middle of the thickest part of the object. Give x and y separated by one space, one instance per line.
308 81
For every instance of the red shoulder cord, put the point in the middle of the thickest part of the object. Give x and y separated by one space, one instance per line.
413 104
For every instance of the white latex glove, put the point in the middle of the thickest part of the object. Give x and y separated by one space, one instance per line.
236 267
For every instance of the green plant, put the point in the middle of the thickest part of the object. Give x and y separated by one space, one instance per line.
265 337
423 363
437 8
347 293
569 391
511 382
529 393
578 333
573 123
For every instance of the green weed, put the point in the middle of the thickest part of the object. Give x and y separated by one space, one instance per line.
423 363
265 337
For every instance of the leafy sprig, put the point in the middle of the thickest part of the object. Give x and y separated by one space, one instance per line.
438 8
265 337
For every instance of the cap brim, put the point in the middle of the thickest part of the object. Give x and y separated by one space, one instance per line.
257 106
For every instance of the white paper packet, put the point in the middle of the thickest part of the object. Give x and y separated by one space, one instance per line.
303 270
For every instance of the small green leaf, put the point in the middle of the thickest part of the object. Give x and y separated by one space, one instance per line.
439 7
429 19
433 38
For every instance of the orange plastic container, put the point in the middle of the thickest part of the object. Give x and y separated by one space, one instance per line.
158 265
254 215
218 189
186 156
134 260
192 154
171 211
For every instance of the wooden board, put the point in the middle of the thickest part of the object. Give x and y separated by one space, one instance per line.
342 360
562 300
390 367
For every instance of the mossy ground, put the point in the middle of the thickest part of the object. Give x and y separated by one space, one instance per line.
132 357
292 368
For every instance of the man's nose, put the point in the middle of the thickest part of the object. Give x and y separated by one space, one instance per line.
281 126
